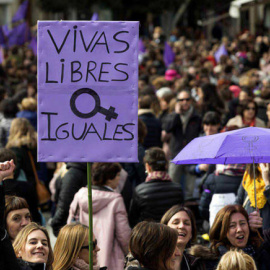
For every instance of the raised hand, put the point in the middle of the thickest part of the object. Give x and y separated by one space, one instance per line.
6 169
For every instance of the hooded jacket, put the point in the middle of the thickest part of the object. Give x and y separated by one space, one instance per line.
110 223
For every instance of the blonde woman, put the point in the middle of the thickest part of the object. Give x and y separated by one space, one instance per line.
33 248
236 259
23 142
71 249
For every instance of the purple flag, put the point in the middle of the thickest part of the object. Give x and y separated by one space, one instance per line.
21 12
169 55
94 16
141 46
88 91
5 29
2 36
221 51
1 55
33 45
19 35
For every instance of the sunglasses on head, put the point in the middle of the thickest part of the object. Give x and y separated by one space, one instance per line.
94 245
183 99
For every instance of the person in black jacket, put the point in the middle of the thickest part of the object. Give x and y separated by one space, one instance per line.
211 124
136 171
158 193
184 125
73 180
226 179
146 114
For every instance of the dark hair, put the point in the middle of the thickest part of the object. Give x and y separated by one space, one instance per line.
145 102
9 107
2 93
211 97
220 228
147 91
265 94
211 118
102 172
244 105
14 203
156 158
142 131
168 97
152 244
7 154
179 208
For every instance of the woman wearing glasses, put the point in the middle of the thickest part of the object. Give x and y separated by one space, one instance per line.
71 249
247 116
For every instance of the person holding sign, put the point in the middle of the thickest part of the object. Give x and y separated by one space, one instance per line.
110 222
76 258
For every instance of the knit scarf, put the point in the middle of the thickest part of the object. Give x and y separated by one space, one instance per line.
80 265
185 116
248 184
250 251
158 175
250 124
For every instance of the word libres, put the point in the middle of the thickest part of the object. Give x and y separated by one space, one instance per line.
83 132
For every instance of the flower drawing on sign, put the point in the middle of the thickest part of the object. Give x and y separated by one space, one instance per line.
250 140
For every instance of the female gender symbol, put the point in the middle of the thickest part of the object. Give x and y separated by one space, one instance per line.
108 113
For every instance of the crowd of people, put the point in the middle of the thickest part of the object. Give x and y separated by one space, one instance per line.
150 214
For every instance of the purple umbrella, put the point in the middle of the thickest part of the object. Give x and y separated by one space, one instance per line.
246 145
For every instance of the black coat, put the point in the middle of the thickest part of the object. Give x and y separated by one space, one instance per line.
73 180
24 162
136 176
153 137
172 124
217 184
152 199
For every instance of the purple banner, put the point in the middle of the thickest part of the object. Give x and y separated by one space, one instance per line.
87 91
